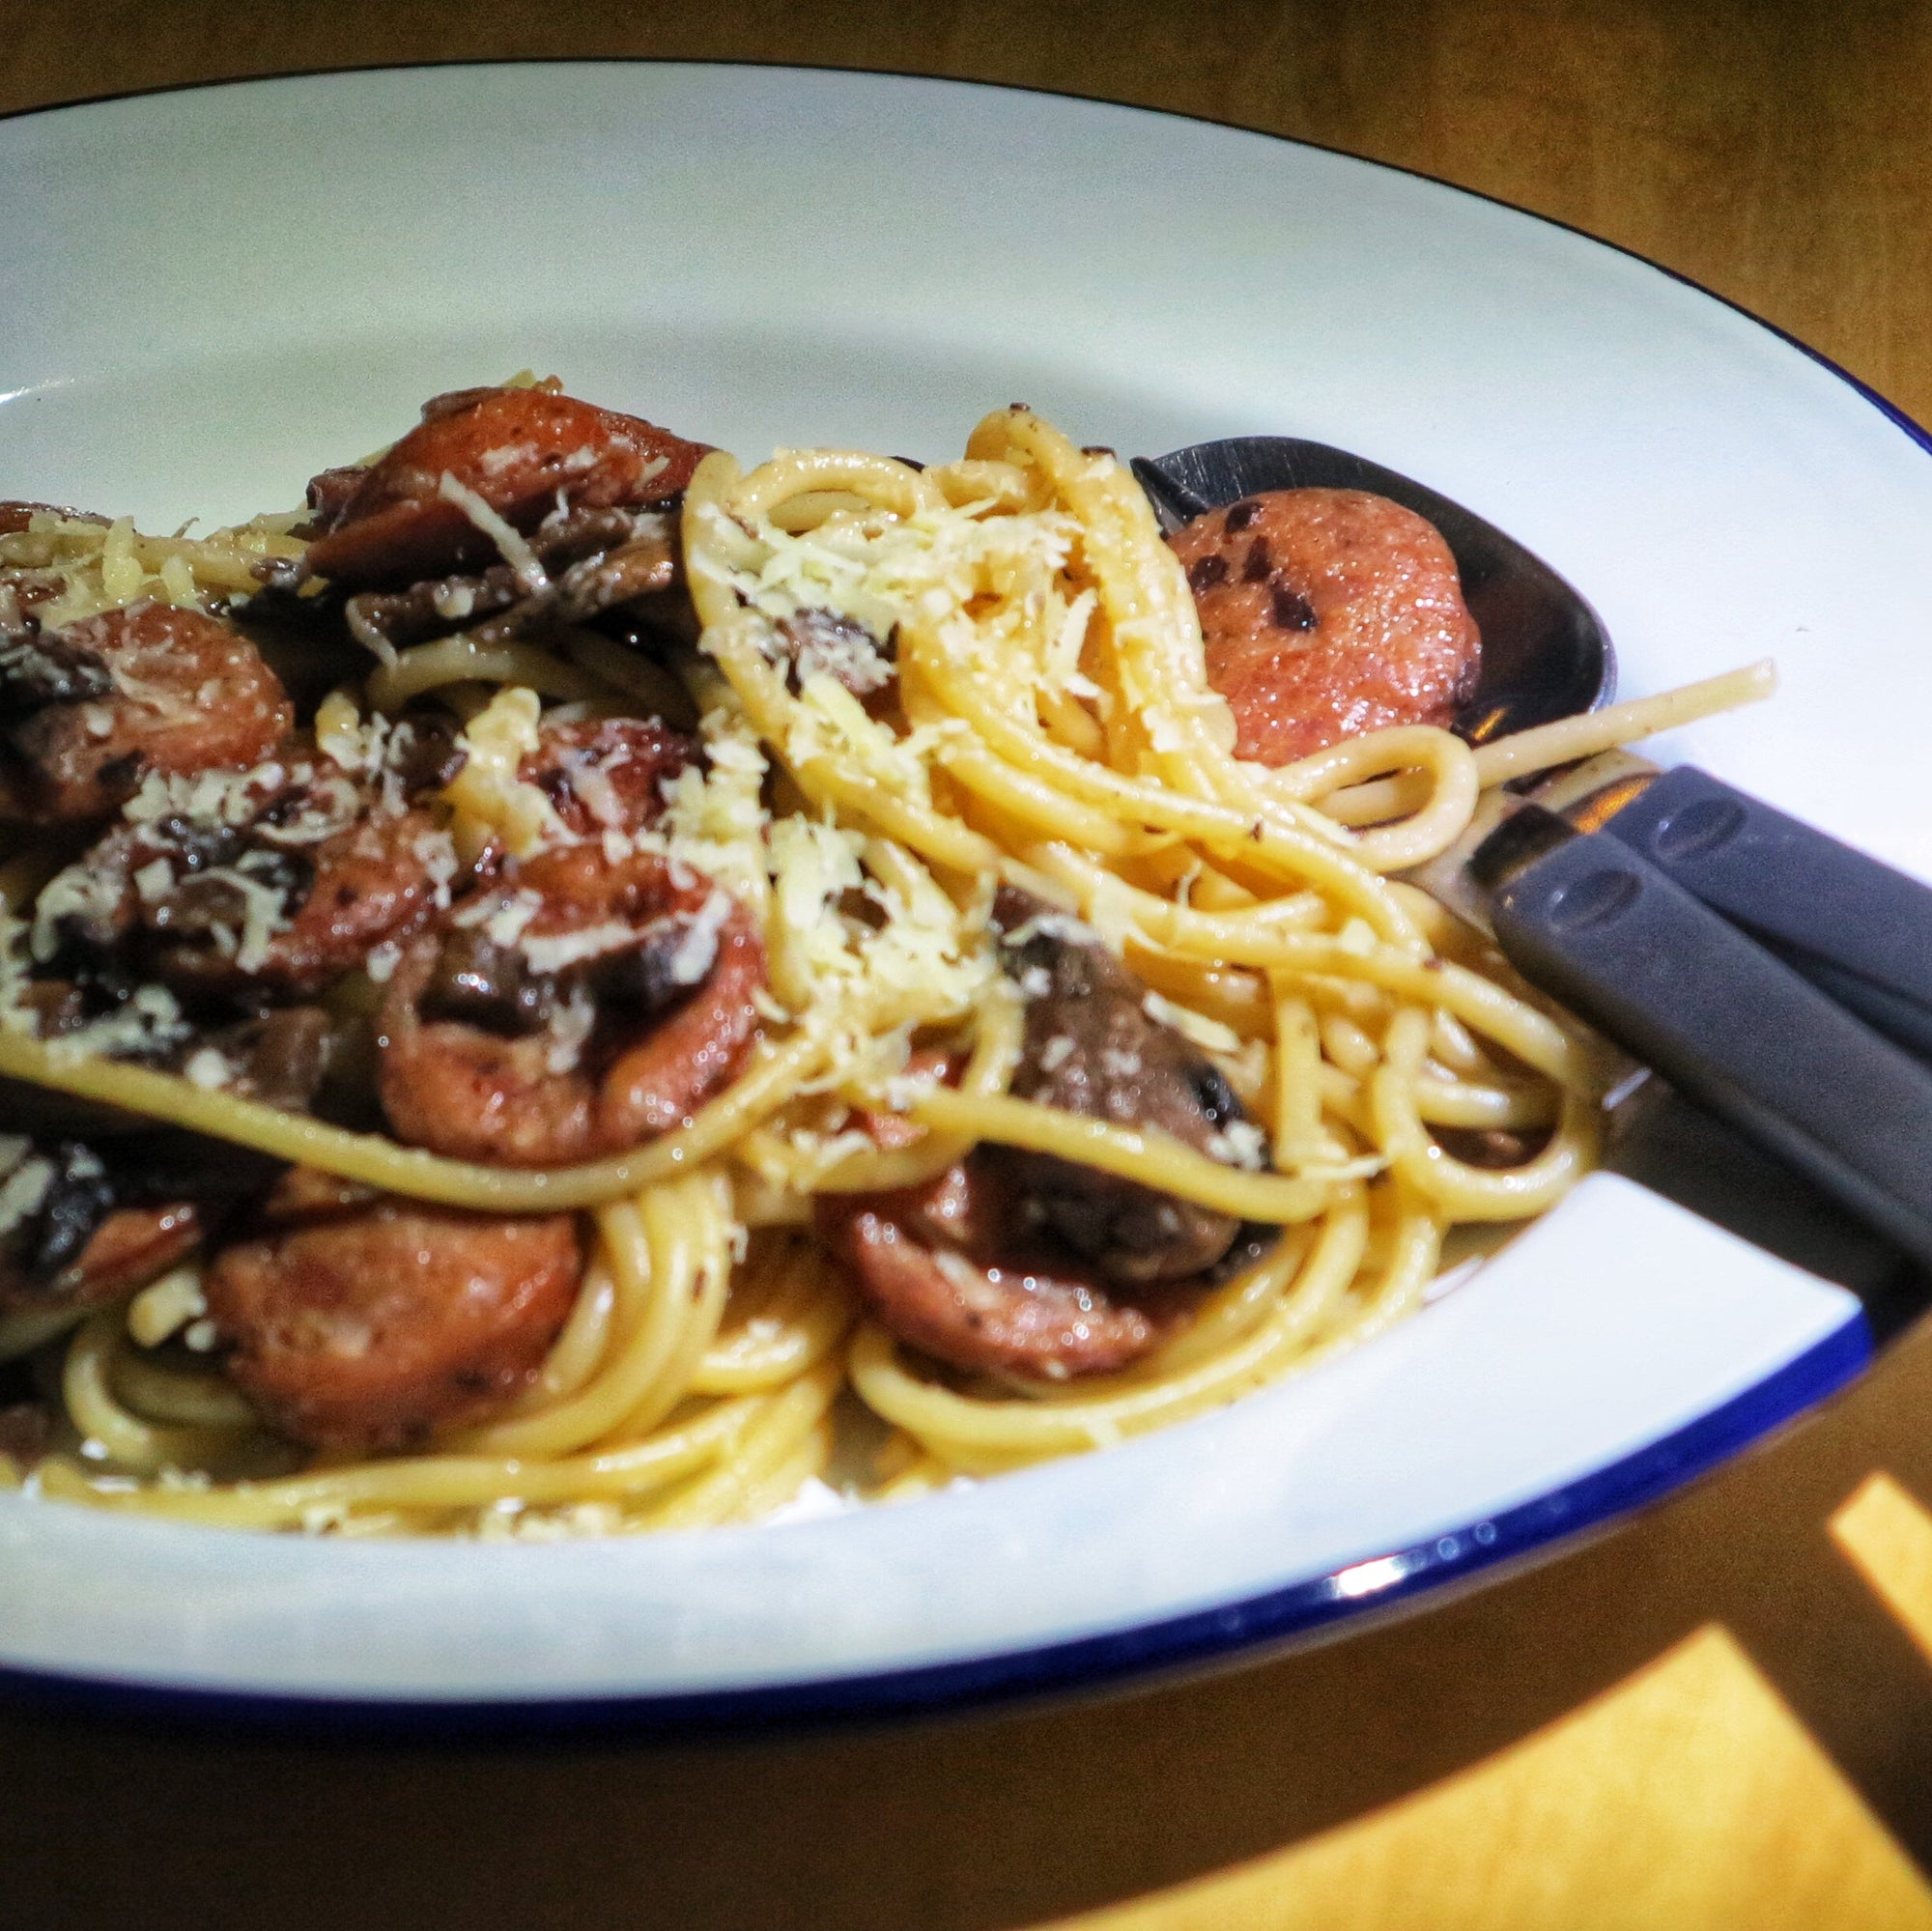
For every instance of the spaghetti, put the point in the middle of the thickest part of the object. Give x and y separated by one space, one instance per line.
912 690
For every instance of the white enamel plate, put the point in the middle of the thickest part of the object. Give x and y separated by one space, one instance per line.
211 294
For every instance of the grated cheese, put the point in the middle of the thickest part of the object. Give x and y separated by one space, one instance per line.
699 949
1241 1144
548 955
120 574
515 551
714 821
80 894
1194 1027
264 911
207 1068
25 1186
1056 1053
344 738
165 1306
570 1029
1061 926
502 917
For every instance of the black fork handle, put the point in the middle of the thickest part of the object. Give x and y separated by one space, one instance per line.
1856 928
1727 1022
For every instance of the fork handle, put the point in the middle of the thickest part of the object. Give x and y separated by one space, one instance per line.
1856 928
1678 985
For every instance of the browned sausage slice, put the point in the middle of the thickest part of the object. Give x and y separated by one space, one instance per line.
575 1008
278 904
524 451
930 1265
147 687
371 1330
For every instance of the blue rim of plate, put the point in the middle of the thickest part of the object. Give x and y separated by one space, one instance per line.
1363 1591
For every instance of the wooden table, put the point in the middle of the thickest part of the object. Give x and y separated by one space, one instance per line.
1719 1716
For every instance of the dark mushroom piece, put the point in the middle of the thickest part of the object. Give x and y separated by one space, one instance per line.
1091 1047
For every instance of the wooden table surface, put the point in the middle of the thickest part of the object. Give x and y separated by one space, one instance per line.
1719 1716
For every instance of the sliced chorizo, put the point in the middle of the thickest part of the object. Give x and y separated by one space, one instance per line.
1024 1263
1327 613
368 885
578 1008
276 904
943 1267
373 1328
525 452
88 711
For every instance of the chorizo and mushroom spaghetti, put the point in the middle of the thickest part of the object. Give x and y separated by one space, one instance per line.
573 987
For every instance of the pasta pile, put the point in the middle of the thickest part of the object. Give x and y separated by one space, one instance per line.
1052 729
